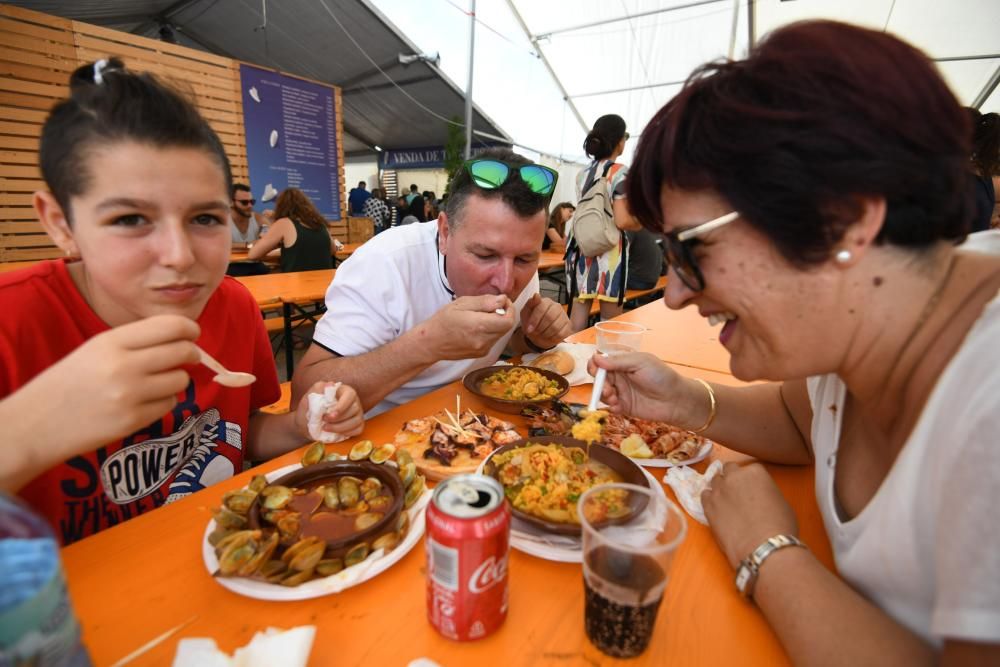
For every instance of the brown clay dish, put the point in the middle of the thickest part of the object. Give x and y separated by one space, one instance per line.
315 475
474 379
618 462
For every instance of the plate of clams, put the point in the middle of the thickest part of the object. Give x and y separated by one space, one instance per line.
319 527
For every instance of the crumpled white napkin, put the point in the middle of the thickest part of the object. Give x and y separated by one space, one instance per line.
338 245
270 648
581 353
318 405
688 484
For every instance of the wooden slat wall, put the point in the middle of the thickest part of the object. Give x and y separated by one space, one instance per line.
37 54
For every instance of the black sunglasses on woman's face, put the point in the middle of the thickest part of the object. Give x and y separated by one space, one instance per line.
677 248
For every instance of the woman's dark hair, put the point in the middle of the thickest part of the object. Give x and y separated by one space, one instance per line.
417 207
109 104
608 131
985 141
555 218
820 114
294 204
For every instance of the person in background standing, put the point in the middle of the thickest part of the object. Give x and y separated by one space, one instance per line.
414 193
376 209
646 262
602 277
300 230
246 227
417 206
357 198
401 209
985 161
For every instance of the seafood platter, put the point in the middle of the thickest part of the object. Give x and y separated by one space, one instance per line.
649 443
319 527
450 443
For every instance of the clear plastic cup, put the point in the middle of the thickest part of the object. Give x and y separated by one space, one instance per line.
617 337
626 562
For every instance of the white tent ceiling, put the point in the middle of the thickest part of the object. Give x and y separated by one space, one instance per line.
631 56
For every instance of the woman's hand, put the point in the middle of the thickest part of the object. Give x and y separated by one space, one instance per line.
640 385
744 507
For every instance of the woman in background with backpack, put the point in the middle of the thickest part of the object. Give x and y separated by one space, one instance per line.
601 276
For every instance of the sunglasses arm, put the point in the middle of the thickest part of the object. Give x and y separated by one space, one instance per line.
706 227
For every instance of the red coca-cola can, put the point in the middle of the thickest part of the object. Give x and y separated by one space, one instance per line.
468 539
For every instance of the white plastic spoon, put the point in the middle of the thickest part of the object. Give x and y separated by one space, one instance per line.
226 377
595 396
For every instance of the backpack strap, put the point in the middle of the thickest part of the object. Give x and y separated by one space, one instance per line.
592 176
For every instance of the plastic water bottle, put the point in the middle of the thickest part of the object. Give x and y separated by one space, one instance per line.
37 624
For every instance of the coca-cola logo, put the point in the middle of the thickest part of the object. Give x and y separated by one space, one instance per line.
488 574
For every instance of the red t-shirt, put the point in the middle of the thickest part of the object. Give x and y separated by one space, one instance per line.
201 441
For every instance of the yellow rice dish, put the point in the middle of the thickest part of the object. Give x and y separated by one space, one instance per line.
547 480
519 384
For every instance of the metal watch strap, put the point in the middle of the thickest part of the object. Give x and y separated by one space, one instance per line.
746 574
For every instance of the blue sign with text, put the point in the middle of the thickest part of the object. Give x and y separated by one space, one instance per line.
291 134
419 158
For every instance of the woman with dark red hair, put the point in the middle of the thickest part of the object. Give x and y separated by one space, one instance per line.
815 203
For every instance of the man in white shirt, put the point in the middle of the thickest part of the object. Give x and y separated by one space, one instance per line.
419 306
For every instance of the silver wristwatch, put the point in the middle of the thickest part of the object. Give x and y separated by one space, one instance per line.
746 573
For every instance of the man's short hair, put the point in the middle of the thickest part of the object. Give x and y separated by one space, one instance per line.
413 188
514 192
361 184
239 187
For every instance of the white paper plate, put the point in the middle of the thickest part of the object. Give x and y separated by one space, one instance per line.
375 564
700 455
560 548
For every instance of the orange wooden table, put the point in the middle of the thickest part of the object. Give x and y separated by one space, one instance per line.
14 266
345 252
299 294
550 260
131 583
297 286
678 336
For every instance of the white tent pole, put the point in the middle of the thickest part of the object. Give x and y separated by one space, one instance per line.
545 61
987 90
630 88
736 23
468 89
662 10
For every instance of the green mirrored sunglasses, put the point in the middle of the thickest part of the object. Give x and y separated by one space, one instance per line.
491 174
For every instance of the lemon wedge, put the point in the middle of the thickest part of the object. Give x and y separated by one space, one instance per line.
635 447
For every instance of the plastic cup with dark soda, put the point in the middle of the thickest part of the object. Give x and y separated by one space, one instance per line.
630 535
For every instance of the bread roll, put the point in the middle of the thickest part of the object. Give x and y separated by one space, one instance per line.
556 361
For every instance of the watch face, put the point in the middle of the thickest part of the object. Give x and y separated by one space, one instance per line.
742 577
